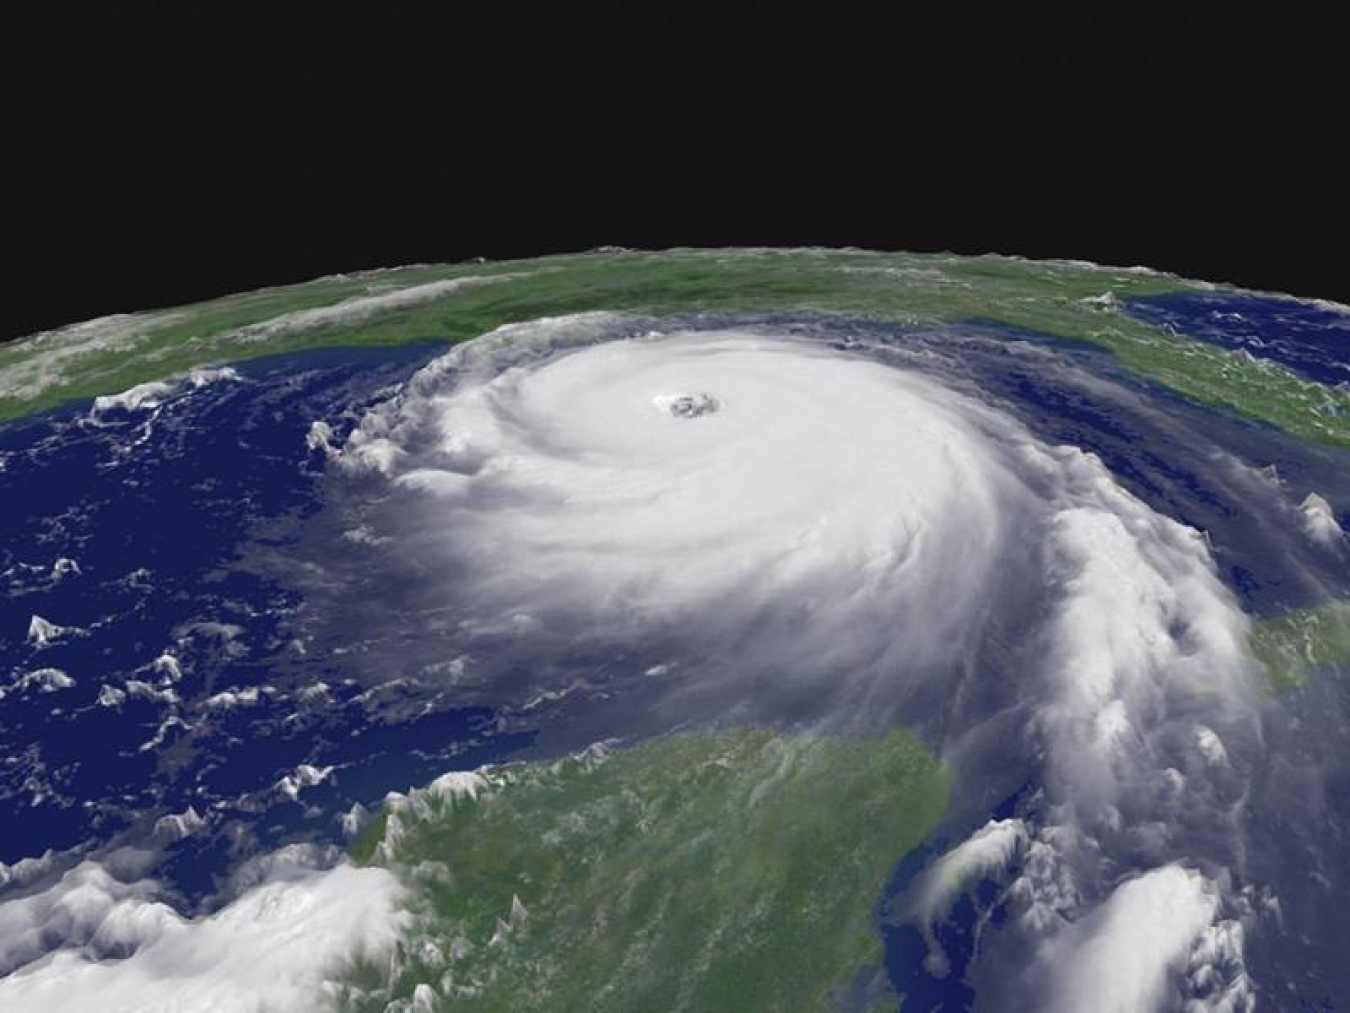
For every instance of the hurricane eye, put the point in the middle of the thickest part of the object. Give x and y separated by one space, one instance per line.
687 406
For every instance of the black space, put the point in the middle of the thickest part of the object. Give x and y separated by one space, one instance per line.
160 154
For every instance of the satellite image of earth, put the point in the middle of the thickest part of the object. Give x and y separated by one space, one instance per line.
761 630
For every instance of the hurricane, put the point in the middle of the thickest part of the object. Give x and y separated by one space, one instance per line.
793 529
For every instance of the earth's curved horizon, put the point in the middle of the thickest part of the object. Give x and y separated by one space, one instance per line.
727 629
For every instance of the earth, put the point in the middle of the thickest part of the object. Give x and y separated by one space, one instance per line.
698 630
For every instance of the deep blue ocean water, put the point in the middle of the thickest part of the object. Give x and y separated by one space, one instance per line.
1311 339
152 507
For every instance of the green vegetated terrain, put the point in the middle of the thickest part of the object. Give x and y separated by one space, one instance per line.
1294 644
456 302
729 870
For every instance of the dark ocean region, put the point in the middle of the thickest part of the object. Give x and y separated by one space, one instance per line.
1310 338
156 683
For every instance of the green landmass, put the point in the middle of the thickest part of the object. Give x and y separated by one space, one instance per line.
730 870
456 302
1292 645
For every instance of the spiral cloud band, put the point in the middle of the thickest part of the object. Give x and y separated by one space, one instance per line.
645 481
806 526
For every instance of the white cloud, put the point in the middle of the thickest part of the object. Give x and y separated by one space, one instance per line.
1127 955
42 632
303 776
1210 745
1319 521
360 308
152 395
176 826
42 361
870 495
272 949
47 680
986 852
51 358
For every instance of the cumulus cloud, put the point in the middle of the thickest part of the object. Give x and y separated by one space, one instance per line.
47 680
302 777
1125 956
42 632
91 941
148 396
1319 521
1145 639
